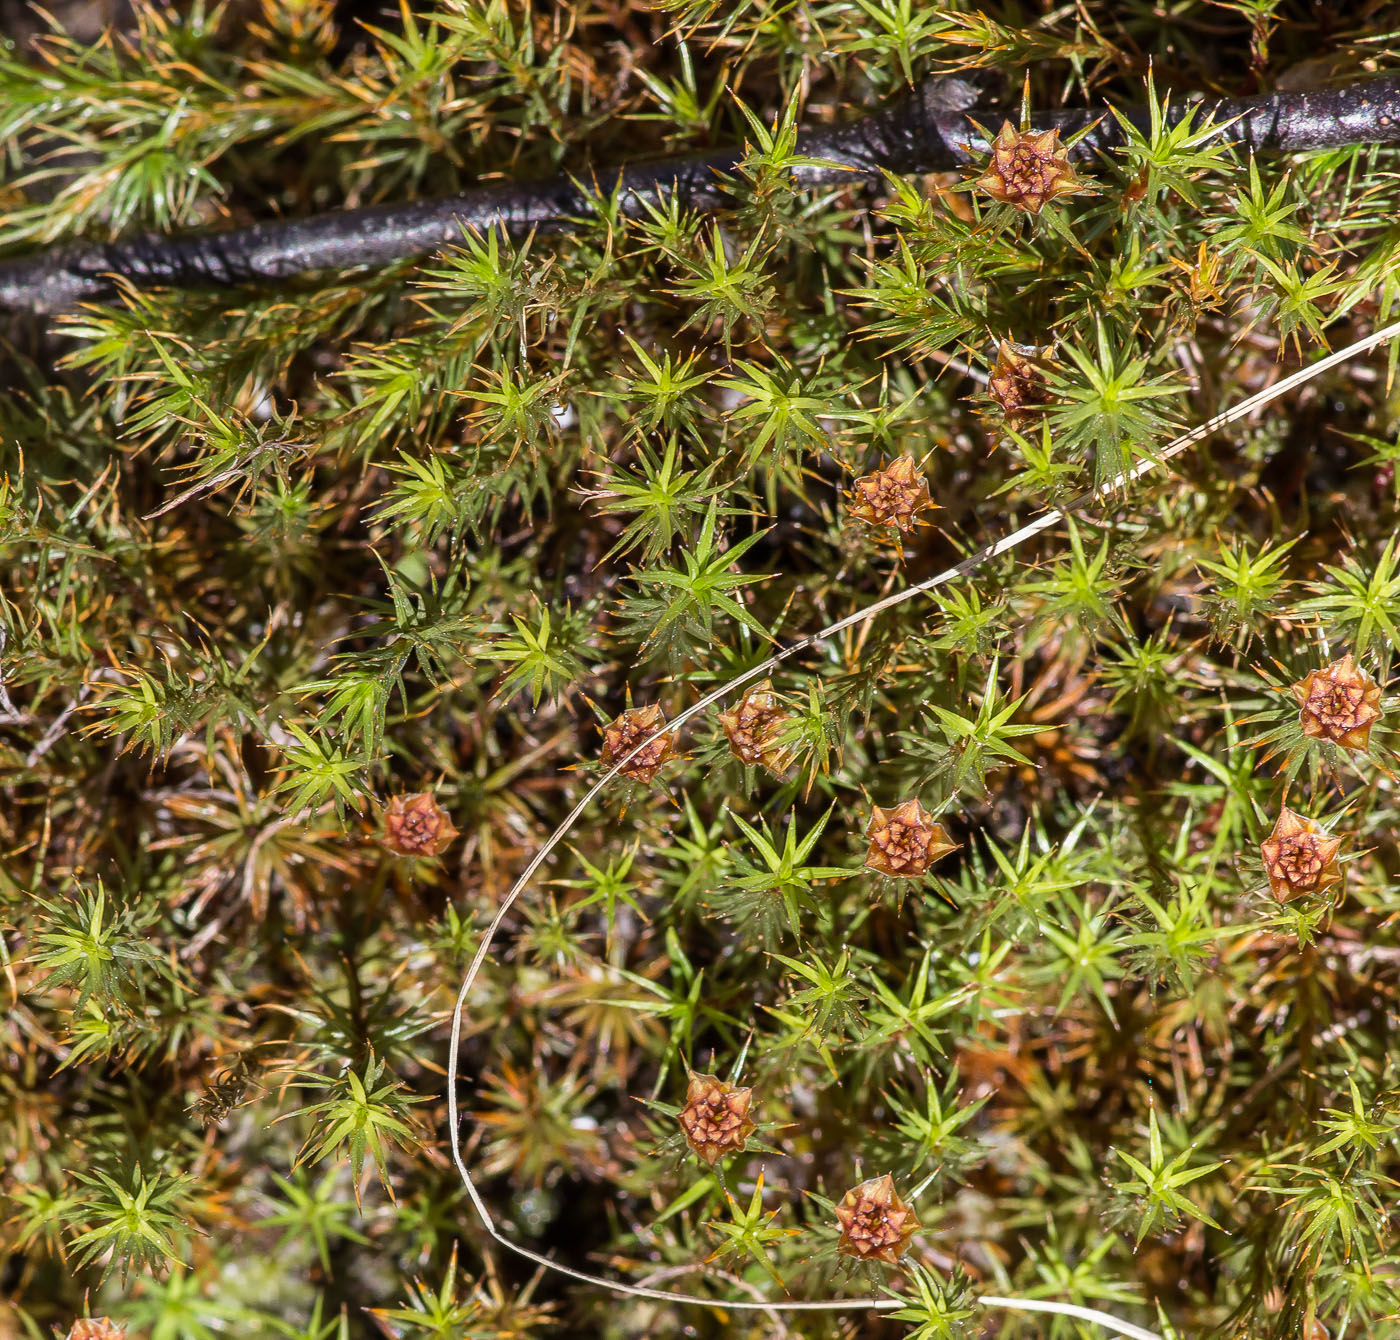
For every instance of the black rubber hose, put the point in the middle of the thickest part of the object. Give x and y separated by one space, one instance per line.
929 130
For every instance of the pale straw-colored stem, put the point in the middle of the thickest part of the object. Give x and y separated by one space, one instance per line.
1042 523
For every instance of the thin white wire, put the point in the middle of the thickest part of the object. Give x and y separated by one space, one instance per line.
1042 523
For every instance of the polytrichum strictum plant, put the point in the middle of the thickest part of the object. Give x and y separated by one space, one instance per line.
1107 492
651 551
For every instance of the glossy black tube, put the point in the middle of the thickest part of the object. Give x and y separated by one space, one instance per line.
929 130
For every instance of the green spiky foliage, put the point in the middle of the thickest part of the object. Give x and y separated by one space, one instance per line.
276 556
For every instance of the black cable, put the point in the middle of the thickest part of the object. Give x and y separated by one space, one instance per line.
929 130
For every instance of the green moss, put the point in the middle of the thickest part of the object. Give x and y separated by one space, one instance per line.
276 555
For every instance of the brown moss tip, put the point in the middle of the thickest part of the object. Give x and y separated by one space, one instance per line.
893 496
1299 857
628 730
417 825
96 1328
905 840
715 1119
1028 171
754 728
1018 385
1340 703
876 1223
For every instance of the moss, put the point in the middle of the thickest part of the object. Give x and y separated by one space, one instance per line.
281 554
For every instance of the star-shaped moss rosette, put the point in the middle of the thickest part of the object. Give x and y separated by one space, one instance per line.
1028 170
905 840
416 825
715 1119
895 496
629 729
1017 386
877 1224
1328 720
754 729
1340 703
1299 857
